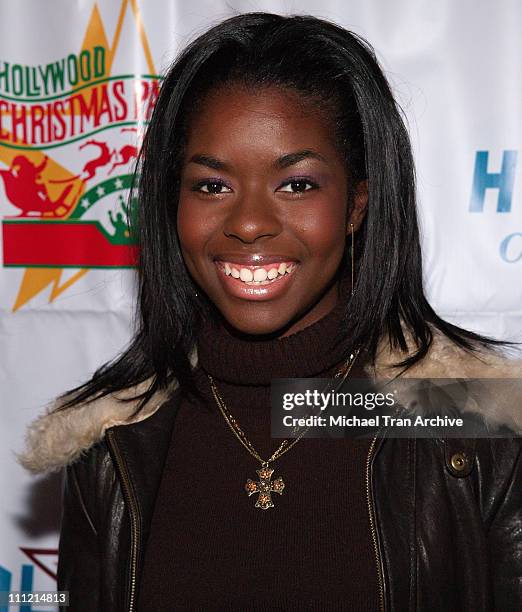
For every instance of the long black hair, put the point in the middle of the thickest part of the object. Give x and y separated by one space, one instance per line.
337 70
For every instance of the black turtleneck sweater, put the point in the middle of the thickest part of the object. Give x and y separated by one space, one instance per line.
209 547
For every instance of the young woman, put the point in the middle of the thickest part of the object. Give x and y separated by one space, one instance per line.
278 238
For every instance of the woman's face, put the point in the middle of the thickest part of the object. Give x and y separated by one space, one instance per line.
262 217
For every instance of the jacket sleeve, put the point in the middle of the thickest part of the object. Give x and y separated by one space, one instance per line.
505 531
79 553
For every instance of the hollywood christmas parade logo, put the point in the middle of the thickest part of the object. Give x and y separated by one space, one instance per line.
69 137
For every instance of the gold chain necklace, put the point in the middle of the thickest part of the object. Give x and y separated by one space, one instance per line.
265 486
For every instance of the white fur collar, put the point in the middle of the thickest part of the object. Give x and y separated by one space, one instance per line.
56 439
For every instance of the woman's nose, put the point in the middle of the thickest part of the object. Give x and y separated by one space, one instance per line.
251 217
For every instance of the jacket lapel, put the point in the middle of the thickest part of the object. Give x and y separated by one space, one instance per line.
144 447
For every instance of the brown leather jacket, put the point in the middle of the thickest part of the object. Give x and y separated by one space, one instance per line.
445 515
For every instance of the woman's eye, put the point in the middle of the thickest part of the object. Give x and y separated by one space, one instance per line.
297 186
212 187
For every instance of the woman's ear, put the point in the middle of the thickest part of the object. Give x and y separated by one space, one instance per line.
359 206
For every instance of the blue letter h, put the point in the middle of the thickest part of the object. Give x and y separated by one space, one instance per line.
503 181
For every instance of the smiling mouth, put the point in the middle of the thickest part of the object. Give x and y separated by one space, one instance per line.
257 275
256 282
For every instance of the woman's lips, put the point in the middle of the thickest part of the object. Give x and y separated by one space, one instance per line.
266 290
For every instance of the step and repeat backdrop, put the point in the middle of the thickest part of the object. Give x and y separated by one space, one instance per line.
78 81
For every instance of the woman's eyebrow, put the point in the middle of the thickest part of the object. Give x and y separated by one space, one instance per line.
209 161
289 159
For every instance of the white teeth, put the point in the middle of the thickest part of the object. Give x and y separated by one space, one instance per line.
246 275
260 274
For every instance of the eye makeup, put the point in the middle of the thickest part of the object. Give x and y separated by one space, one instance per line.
198 185
300 179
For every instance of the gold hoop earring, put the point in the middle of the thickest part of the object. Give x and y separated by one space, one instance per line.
353 253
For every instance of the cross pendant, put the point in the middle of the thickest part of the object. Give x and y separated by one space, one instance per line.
264 487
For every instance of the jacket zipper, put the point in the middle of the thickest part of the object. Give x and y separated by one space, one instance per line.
133 512
371 513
